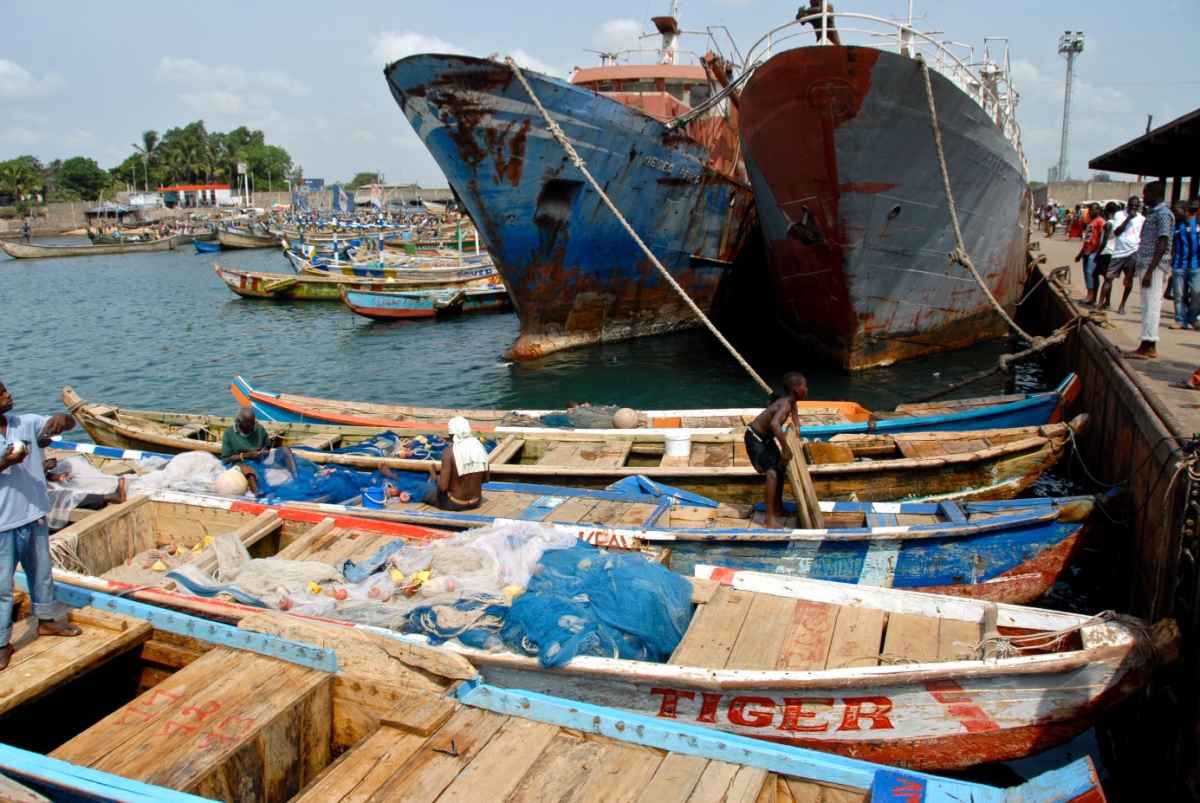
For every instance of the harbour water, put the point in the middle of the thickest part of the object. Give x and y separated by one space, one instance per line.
160 331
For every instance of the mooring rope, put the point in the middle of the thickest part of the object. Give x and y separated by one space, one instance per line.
576 160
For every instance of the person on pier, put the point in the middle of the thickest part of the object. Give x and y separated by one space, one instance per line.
1153 264
1185 268
767 448
247 443
459 485
1093 242
24 534
1127 236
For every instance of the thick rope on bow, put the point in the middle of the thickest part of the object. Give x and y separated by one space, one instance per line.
959 254
576 160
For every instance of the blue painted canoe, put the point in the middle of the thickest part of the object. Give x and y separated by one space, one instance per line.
383 305
207 247
1021 410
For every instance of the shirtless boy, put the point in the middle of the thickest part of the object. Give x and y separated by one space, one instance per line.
765 443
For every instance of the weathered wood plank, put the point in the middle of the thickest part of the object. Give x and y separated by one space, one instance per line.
714 783
915 638
714 630
809 637
563 770
674 779
420 714
623 778
761 640
503 763
857 637
956 638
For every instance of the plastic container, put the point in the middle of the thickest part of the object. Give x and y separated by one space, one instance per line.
677 444
373 498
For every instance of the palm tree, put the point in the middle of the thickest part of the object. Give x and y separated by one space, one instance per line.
146 149
18 180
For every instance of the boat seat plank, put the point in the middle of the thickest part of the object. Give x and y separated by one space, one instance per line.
961 445
508 506
823 453
810 792
364 767
542 508
715 628
560 453
956 638
929 449
915 519
610 454
563 770
711 455
606 513
41 664
674 779
908 449
573 510
323 442
808 637
741 457
229 720
857 638
502 764
911 638
761 640
636 514
670 461
881 520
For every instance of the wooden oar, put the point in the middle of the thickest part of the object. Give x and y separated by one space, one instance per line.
808 508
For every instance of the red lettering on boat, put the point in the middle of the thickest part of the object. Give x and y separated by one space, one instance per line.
670 700
708 707
793 712
876 715
738 714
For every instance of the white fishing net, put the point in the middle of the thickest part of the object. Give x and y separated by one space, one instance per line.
191 472
71 481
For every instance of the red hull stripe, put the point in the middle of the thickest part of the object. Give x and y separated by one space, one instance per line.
960 706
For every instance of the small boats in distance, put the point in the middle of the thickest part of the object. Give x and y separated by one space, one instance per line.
916 680
819 419
19 250
239 238
308 287
384 305
207 247
989 464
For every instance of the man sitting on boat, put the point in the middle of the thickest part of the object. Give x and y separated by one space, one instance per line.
459 485
766 446
247 442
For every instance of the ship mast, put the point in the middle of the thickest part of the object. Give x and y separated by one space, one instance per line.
669 28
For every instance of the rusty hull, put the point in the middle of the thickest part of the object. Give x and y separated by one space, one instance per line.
840 152
574 274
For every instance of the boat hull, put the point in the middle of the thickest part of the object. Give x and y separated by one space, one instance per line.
206 246
840 152
574 274
234 239
285 287
383 306
29 251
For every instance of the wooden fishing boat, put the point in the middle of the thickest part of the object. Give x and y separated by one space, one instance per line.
443 268
19 250
954 465
241 714
909 679
281 286
818 419
206 247
235 238
388 305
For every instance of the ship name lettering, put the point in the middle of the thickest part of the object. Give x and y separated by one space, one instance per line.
660 164
792 714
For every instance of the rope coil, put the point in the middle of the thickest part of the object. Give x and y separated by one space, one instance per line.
580 165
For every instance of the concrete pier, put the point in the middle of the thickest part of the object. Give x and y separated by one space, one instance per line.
1139 428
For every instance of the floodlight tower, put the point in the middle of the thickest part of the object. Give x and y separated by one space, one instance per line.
1070 45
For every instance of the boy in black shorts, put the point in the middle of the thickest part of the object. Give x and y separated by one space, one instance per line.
765 444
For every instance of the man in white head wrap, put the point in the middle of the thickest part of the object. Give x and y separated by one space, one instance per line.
459 485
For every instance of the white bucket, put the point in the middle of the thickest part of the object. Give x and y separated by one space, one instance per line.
677 444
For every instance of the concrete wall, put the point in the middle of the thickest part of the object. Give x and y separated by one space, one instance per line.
1134 437
1069 193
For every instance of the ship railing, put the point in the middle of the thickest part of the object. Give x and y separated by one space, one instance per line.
986 82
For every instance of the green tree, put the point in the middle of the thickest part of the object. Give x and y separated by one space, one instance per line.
362 179
146 150
20 178
84 176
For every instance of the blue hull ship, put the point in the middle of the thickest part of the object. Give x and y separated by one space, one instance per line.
574 274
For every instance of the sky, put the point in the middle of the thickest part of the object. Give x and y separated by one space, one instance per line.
88 79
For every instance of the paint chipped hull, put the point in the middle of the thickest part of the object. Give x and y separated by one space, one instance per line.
840 152
574 274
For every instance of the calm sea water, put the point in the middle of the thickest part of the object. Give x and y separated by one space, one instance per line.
162 332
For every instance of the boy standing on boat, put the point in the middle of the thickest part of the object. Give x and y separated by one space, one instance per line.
767 448
24 536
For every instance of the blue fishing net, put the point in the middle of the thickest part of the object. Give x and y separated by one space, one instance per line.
389 444
584 601
327 484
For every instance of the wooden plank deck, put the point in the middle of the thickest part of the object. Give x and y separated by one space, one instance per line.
434 750
40 664
231 725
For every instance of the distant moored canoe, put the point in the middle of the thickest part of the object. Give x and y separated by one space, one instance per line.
386 305
19 250
239 239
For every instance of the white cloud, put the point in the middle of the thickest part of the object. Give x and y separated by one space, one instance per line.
390 46
528 62
619 34
17 83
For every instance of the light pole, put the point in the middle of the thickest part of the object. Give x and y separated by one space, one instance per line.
1070 45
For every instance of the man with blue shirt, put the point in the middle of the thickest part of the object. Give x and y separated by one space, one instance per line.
1185 268
24 504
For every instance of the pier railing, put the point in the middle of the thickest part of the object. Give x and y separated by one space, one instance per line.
987 81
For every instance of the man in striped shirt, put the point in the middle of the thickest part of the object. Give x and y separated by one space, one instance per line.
1153 263
1185 268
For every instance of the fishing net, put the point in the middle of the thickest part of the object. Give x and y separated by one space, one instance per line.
584 601
191 472
70 483
591 417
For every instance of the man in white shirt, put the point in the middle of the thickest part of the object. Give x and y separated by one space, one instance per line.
24 536
1127 236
